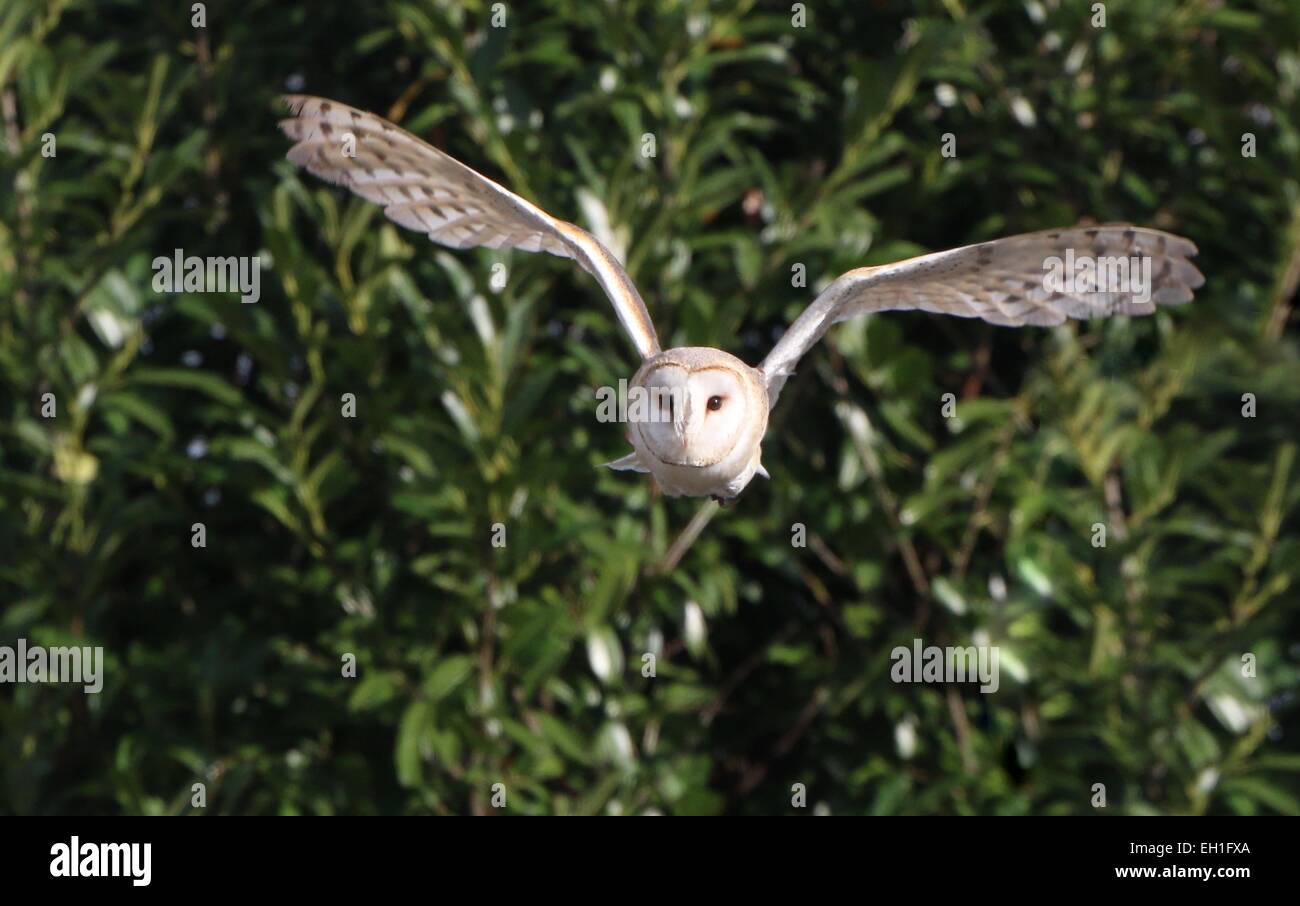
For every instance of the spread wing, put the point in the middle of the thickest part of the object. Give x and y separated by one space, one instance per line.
423 189
1008 282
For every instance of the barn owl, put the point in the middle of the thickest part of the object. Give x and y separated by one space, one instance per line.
709 442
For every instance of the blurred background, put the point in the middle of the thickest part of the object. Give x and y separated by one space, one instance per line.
779 142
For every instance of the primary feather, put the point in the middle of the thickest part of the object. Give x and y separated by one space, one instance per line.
423 189
1001 282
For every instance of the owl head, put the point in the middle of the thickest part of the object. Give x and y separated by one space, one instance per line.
703 422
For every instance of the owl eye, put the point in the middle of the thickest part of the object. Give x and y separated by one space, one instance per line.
715 403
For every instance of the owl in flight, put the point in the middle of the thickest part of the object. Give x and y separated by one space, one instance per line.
704 429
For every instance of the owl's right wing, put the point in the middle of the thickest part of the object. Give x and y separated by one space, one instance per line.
423 189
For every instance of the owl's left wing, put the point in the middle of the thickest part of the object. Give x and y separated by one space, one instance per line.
423 189
1003 282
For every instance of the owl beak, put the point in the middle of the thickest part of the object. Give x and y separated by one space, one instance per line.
681 414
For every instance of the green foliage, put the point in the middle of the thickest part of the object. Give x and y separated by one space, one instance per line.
523 664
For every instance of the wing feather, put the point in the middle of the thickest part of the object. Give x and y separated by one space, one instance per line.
1002 282
423 189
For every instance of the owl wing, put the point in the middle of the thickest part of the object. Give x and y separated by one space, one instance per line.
423 189
1003 282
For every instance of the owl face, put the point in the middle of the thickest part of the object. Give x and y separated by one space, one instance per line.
705 415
